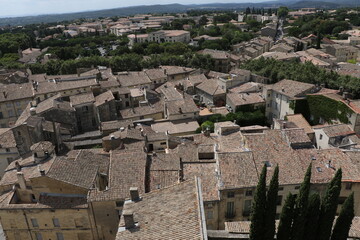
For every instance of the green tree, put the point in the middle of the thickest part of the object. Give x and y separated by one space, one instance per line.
203 20
343 222
282 12
286 218
271 203
328 207
259 208
301 206
312 217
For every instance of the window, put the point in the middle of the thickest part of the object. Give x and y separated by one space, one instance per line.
59 236
85 109
127 104
18 104
281 188
11 113
318 169
231 194
163 143
8 105
297 187
9 160
34 222
7 149
248 193
230 213
38 236
126 95
279 200
321 136
56 222
1 115
348 186
209 215
247 208
19 111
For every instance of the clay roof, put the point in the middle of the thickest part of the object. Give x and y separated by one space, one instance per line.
28 168
176 127
181 106
133 79
155 73
237 170
210 87
292 88
296 135
170 213
115 125
337 130
206 172
142 110
7 139
245 98
55 87
174 70
82 98
52 201
103 98
10 92
81 170
300 122
127 169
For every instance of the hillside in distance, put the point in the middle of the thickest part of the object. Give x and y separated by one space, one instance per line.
172 8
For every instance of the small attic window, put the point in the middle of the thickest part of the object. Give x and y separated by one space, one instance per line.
318 169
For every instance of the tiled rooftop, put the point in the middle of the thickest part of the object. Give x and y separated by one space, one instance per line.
169 213
292 88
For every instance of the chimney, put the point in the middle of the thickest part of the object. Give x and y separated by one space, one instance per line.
18 166
134 194
128 219
21 180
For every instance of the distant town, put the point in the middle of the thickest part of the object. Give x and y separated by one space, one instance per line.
206 124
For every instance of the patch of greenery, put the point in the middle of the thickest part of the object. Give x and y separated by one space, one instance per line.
327 109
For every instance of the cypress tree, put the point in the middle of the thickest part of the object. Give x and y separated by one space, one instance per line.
258 209
328 207
286 218
312 217
271 203
343 222
301 206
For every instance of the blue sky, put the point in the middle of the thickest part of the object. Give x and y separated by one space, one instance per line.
35 7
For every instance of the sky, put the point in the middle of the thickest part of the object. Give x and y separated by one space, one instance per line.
14 8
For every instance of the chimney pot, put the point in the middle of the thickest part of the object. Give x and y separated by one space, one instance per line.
134 194
21 180
129 219
18 166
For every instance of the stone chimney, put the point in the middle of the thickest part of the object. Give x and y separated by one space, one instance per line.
134 194
128 219
18 166
21 180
